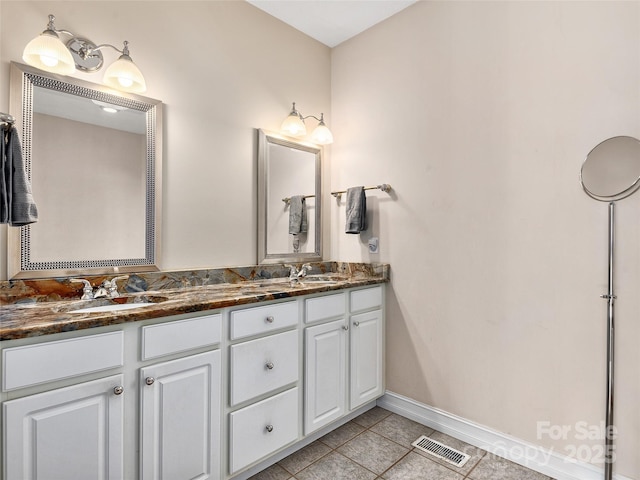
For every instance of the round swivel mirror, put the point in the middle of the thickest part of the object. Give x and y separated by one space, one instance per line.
611 170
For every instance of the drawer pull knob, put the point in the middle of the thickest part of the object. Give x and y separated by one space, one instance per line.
355 324
269 428
269 319
269 365
149 380
118 390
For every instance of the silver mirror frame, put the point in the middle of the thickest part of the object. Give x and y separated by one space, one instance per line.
264 257
19 262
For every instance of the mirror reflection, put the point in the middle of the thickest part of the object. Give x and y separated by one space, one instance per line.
92 156
611 170
289 184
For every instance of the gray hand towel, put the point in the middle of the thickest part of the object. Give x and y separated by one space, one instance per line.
356 210
5 206
20 207
297 215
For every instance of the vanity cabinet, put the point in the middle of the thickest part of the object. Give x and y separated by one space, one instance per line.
216 395
366 345
72 432
326 355
343 355
180 421
180 401
262 418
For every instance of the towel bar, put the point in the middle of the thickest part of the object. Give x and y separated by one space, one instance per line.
287 200
385 187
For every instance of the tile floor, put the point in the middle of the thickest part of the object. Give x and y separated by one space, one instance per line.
377 446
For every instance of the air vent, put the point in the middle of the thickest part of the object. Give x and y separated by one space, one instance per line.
442 451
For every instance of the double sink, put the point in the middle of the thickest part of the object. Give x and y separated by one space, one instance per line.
249 287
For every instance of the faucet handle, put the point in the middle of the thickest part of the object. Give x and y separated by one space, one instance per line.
87 289
112 285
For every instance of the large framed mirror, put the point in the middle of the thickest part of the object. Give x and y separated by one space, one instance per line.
288 169
94 158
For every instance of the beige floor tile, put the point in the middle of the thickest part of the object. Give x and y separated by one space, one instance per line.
491 467
373 451
401 430
274 472
304 457
342 434
371 417
335 467
417 467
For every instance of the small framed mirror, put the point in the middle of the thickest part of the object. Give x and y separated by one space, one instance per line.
94 157
289 200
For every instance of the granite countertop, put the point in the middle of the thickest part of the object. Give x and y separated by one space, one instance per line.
30 319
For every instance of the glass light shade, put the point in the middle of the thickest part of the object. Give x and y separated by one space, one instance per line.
48 53
293 126
124 75
322 135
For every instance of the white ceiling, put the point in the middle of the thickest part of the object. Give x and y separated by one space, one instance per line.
331 21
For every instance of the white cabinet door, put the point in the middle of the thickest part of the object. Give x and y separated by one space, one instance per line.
180 418
325 374
366 357
72 433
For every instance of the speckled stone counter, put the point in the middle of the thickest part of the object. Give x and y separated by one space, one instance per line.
30 308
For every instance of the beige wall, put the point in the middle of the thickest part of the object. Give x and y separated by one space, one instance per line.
479 114
222 68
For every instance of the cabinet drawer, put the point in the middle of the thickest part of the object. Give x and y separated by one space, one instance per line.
262 365
366 299
181 335
321 308
46 362
257 320
262 428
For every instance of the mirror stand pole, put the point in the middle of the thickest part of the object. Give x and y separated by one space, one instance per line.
609 430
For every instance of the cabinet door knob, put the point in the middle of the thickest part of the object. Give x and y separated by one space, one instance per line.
345 327
118 390
355 324
269 365
269 319
149 380
269 428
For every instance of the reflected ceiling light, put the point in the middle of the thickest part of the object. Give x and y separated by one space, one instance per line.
47 52
294 125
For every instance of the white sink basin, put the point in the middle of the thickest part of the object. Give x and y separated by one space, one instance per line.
111 308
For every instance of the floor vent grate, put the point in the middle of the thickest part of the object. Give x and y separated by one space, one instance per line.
440 450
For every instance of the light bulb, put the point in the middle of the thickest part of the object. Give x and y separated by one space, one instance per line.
125 75
125 81
49 61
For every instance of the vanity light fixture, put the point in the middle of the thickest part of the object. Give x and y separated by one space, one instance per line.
294 125
47 52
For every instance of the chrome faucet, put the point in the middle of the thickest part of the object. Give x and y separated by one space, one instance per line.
107 289
112 286
295 274
87 289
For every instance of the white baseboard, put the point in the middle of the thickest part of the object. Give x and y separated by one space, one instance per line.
518 451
